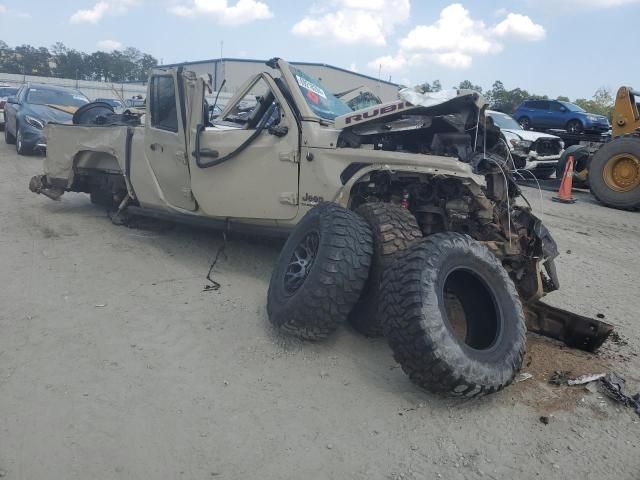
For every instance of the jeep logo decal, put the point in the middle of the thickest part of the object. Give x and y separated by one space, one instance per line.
312 200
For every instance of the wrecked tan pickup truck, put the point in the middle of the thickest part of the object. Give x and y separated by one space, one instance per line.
401 218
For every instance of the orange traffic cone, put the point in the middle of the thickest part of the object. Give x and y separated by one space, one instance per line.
564 194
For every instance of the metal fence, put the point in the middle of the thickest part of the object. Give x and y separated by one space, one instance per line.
91 89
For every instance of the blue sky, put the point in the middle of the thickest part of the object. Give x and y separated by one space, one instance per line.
554 47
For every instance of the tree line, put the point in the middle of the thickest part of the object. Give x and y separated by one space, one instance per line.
506 101
129 64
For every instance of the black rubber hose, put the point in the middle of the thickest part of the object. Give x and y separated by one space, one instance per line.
259 128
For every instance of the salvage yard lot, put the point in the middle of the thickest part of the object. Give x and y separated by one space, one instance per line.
114 363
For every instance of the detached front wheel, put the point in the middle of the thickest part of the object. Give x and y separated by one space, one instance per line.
320 273
452 317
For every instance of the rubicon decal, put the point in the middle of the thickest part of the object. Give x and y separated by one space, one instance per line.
366 115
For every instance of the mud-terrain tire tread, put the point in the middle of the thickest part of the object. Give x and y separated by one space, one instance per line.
394 229
415 330
597 185
335 282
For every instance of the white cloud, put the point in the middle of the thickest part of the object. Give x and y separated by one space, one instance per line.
454 31
389 63
352 22
520 26
244 11
455 38
583 4
100 9
109 45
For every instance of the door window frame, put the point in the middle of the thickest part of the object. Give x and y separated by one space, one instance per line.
152 103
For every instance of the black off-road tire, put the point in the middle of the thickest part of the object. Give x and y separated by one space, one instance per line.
421 326
630 200
394 229
314 305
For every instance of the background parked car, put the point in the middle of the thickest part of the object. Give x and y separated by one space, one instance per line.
6 91
536 152
33 106
560 115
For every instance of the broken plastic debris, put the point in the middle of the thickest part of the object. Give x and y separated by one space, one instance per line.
560 377
523 376
613 386
582 379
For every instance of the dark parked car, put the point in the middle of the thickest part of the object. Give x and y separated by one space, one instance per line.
6 91
33 106
559 115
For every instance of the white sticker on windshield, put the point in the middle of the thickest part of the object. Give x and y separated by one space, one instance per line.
310 86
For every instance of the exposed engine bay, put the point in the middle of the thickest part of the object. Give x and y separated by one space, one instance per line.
455 128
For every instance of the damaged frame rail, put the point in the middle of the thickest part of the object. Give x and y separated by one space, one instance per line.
576 331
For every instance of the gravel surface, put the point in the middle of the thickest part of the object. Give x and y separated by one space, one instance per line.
114 364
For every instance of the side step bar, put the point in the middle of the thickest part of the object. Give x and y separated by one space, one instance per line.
574 330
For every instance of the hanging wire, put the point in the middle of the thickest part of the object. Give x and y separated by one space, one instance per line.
517 172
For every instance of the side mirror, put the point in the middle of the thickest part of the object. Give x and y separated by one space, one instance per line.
13 100
563 109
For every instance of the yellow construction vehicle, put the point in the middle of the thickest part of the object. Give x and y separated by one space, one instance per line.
609 166
614 170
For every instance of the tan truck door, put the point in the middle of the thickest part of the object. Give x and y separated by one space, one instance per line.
165 147
260 180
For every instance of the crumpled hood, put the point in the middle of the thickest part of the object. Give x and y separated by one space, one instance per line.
48 114
529 135
448 102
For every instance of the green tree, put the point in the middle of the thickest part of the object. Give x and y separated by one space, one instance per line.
467 85
69 63
601 103
426 87
60 61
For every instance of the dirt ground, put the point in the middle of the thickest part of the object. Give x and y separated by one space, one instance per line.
114 364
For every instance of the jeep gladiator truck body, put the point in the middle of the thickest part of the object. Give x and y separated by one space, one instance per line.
284 144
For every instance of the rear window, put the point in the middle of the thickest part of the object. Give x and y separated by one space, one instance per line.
65 98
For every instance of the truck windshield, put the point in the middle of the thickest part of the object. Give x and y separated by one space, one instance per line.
43 96
322 103
503 120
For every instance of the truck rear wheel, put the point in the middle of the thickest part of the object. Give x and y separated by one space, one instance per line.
394 229
320 273
614 173
452 317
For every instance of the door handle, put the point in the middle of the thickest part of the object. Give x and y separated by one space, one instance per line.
156 146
